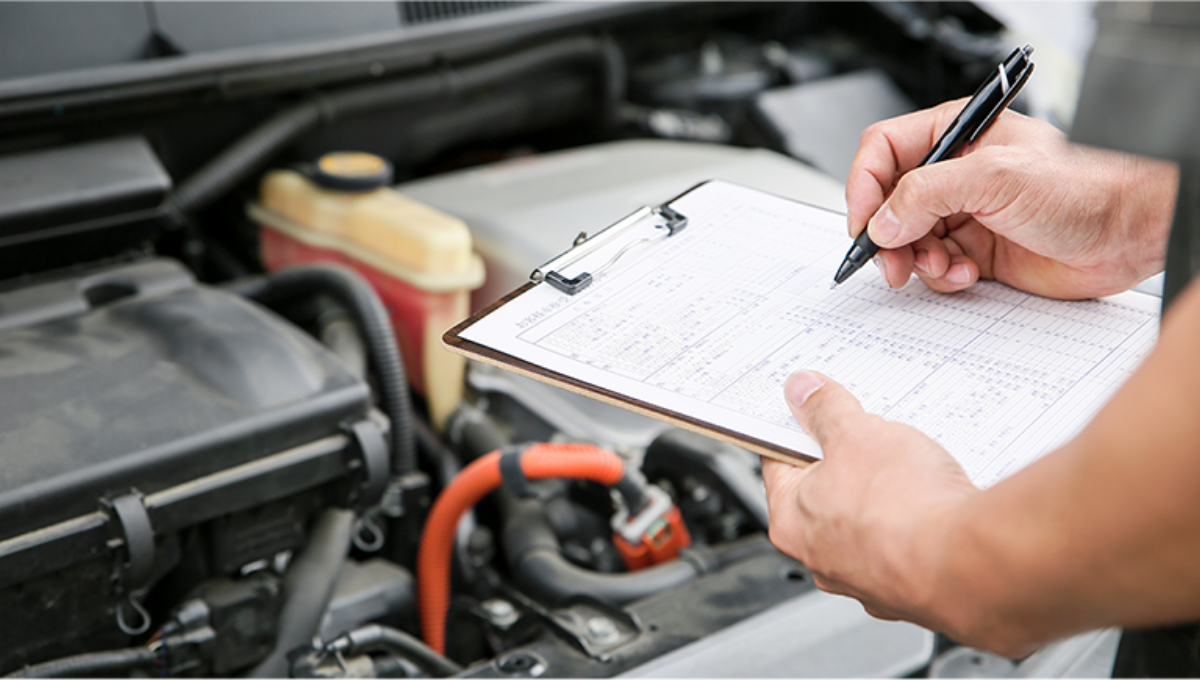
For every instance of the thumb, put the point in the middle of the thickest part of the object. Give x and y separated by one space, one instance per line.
926 195
823 408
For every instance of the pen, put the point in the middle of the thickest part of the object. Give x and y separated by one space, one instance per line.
992 97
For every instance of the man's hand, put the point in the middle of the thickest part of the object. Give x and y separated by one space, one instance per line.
867 520
1021 206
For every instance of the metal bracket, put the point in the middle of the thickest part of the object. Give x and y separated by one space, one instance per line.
594 627
133 574
584 622
137 534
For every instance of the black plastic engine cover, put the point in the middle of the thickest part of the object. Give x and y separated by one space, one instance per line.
167 384
138 408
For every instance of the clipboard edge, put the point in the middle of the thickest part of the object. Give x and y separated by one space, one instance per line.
487 355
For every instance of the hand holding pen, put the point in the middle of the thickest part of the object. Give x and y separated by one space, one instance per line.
975 118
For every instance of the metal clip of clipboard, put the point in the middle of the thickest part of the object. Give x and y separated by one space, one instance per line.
585 245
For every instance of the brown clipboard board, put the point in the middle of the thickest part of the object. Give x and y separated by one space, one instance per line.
454 342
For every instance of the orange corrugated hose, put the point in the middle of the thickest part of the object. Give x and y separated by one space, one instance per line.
540 461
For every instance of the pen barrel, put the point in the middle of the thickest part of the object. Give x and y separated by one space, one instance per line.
988 102
862 250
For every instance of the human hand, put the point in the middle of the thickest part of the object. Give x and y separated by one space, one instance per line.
1021 206
868 520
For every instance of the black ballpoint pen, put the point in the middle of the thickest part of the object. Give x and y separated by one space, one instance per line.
976 117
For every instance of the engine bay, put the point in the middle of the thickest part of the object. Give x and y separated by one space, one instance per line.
231 236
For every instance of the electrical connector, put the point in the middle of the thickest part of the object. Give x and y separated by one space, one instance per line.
186 642
654 534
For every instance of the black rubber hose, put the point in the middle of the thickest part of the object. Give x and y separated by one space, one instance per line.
243 157
716 464
437 455
366 309
90 665
307 589
535 558
238 161
473 433
632 488
376 638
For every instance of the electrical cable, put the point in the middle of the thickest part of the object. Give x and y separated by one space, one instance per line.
90 665
385 638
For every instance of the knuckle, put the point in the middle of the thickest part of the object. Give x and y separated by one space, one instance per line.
999 161
1001 165
875 132
879 612
915 187
845 430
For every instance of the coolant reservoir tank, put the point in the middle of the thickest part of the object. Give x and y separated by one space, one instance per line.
418 258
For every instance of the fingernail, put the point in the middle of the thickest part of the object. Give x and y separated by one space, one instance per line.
884 226
800 386
882 264
921 261
958 274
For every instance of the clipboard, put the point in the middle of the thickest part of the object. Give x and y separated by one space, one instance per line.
670 222
731 284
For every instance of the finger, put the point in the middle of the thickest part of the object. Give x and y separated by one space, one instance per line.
776 473
976 242
886 150
984 182
891 148
865 193
962 273
782 481
823 408
930 256
896 266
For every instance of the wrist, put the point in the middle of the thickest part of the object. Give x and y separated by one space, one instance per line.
970 593
1146 209
946 570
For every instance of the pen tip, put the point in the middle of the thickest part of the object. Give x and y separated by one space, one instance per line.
833 285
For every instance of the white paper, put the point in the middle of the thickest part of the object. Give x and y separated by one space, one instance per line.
710 323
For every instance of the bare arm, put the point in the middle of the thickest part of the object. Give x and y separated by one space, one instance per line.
1107 530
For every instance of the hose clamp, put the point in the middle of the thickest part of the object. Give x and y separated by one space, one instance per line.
512 475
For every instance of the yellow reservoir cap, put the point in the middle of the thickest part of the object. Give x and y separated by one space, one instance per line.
354 171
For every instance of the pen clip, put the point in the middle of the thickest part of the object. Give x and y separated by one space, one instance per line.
1011 94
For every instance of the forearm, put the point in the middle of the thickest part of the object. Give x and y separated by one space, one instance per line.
1104 532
